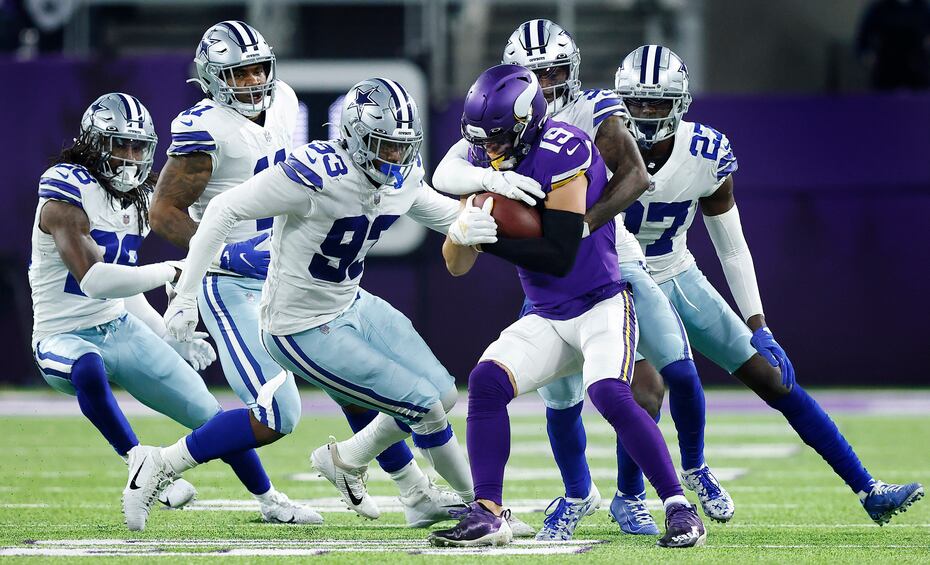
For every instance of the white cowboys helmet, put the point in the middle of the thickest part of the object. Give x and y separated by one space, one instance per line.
224 47
379 117
652 73
543 45
118 123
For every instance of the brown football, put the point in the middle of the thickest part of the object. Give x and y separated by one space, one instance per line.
515 219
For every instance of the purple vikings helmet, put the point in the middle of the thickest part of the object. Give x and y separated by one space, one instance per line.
504 106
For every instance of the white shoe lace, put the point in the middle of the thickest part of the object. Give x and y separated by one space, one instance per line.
639 511
881 488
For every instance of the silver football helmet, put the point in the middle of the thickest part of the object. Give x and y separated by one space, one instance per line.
653 73
120 130
224 47
542 44
382 130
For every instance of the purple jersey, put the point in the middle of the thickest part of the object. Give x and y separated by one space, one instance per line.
562 153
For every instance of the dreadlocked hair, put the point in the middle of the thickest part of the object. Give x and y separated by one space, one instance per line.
83 152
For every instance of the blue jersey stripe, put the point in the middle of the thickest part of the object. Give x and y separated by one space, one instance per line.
55 195
69 188
191 148
191 136
606 103
601 117
300 173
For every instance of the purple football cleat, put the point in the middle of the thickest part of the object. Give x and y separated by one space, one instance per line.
683 527
478 526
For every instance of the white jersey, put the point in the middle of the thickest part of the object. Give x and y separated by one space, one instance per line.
700 161
239 147
587 113
328 215
58 304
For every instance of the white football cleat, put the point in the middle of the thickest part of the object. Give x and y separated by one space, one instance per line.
349 481
520 528
148 476
178 494
715 500
428 504
277 507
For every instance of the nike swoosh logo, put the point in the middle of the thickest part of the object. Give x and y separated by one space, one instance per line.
132 483
188 123
573 149
310 159
63 175
352 498
244 260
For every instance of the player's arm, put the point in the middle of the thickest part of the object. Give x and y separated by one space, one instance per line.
180 184
562 226
433 210
621 155
267 194
456 175
69 227
721 216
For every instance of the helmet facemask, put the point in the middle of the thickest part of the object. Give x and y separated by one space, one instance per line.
505 160
388 160
125 160
647 131
561 94
250 101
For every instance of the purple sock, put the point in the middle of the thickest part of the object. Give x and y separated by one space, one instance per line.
248 467
224 434
639 434
629 475
489 392
94 396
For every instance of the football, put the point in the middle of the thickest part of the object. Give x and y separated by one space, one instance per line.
515 219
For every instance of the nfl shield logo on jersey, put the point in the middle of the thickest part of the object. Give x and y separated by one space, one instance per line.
125 219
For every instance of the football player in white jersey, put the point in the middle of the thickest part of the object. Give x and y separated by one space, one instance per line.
691 166
92 322
332 201
243 126
550 52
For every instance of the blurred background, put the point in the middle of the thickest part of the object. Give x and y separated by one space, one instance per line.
825 103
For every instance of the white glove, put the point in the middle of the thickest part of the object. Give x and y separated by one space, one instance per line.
513 185
198 353
474 225
181 317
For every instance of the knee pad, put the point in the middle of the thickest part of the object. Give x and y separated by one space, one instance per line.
88 374
432 422
489 382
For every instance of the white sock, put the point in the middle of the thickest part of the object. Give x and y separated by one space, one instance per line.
266 496
408 478
178 457
677 499
360 449
449 461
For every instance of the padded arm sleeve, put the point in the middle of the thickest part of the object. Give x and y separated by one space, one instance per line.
455 175
269 193
109 280
553 253
726 233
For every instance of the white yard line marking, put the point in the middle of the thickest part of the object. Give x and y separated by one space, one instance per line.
739 450
600 428
532 474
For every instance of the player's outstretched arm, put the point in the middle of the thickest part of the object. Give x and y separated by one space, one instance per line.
721 217
70 228
629 180
562 225
456 175
180 184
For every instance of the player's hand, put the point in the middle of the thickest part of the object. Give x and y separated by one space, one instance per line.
248 258
765 344
198 353
181 317
513 185
474 226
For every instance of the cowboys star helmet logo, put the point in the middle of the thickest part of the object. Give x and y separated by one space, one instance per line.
362 99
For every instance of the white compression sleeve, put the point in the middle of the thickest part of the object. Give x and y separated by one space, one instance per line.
109 280
269 193
455 175
139 307
433 210
726 233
